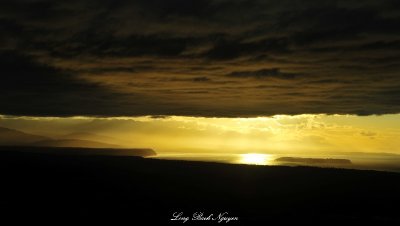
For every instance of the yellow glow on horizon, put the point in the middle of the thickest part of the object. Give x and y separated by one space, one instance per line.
255 159
279 134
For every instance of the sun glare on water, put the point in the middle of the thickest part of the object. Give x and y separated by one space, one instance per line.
255 159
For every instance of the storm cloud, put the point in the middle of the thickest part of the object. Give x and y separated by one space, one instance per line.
212 58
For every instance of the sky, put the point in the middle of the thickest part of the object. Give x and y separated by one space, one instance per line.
281 134
207 60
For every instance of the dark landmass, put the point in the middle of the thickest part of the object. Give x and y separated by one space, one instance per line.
14 137
141 152
74 143
313 160
11 137
116 190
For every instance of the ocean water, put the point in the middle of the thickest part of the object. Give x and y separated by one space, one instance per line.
363 161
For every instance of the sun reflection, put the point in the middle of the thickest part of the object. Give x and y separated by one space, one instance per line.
255 159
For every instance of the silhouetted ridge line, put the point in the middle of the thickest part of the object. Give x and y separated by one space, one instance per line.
313 160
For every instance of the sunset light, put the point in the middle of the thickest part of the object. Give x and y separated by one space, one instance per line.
255 159
181 112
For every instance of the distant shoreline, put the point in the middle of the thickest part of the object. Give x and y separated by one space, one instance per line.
314 160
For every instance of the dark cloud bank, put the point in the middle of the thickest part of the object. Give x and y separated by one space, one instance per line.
236 58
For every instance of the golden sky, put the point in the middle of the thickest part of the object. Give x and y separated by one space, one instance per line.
280 134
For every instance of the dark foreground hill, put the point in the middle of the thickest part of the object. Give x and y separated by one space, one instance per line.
115 190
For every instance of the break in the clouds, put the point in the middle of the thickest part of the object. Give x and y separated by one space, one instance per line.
236 58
